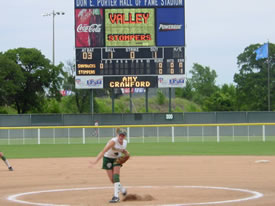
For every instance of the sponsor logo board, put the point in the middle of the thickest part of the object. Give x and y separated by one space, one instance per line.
89 82
171 81
170 26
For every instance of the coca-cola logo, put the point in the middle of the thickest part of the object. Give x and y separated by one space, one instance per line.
93 28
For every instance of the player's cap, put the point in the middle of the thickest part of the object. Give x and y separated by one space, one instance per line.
122 132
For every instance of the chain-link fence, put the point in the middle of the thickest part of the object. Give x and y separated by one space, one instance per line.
139 133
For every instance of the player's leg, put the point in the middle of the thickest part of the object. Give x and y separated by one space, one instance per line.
116 180
110 175
116 173
6 161
107 164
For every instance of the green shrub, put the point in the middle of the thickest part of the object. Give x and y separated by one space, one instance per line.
160 97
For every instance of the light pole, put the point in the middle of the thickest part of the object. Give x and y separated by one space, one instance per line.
53 14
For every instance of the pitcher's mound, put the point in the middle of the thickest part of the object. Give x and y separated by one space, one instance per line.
135 197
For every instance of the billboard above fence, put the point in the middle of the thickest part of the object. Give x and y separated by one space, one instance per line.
129 38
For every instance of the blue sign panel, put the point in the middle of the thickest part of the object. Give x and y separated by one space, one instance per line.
127 3
170 27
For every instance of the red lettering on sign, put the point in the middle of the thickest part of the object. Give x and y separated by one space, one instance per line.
137 18
129 37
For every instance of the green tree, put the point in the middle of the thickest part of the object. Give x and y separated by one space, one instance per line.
81 97
252 84
160 97
186 92
11 78
41 79
224 99
203 82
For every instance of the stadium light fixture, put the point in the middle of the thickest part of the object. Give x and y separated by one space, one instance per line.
53 14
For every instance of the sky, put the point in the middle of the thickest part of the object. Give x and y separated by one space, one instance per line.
217 31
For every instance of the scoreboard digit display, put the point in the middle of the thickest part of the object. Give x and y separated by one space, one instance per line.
129 43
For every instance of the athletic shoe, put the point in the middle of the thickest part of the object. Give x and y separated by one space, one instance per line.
114 200
124 193
10 169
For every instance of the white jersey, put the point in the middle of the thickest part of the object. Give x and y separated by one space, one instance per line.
115 152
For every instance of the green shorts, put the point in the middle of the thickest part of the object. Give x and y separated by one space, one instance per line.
109 163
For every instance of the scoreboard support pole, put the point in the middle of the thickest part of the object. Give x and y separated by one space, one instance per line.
131 106
92 101
113 100
146 99
170 91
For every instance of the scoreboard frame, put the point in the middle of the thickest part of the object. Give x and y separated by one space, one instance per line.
129 43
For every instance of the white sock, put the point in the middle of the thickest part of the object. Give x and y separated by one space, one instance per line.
122 189
116 188
7 163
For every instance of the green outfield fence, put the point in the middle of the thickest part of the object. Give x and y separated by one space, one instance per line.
261 132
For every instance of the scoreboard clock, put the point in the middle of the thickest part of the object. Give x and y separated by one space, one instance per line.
129 43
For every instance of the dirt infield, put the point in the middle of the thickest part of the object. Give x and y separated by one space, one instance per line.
173 180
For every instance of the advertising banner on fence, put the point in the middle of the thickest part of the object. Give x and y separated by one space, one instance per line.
173 81
89 82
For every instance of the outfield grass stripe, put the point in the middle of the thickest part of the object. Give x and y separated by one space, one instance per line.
141 149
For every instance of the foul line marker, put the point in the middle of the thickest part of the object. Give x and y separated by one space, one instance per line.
255 195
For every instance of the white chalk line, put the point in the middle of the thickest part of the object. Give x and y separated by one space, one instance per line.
255 195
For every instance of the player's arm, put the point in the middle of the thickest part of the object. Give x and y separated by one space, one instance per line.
125 152
108 146
121 160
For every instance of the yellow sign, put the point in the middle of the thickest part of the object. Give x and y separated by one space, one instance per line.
129 82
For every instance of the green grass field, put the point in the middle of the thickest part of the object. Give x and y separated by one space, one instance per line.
141 149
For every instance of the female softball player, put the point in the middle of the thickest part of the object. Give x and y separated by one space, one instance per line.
114 155
6 161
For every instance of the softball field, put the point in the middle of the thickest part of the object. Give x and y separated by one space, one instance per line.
154 180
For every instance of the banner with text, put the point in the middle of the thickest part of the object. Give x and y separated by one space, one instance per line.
128 3
89 82
130 82
173 81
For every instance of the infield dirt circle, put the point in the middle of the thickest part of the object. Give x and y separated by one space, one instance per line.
172 180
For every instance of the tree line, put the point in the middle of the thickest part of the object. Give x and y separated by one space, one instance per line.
29 83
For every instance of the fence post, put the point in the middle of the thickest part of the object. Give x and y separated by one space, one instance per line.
23 136
128 136
98 137
218 133
143 134
69 140
9 136
38 135
248 135
202 134
187 131
158 134
263 133
83 135
53 135
233 131
173 134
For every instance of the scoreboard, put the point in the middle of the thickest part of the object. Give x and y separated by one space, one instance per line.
129 43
